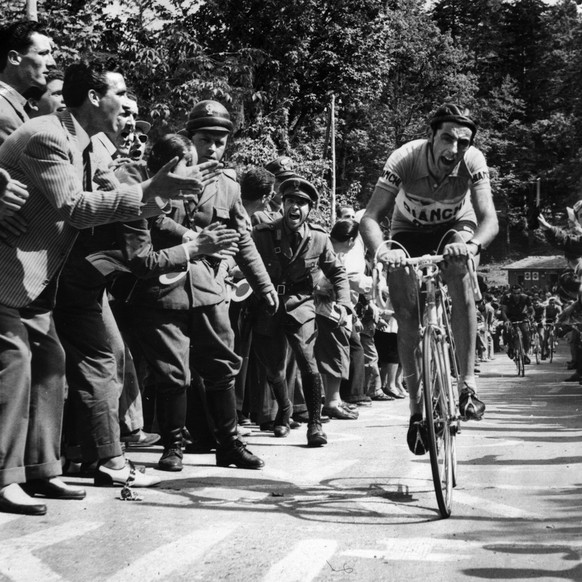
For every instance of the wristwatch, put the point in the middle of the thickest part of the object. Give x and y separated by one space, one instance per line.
478 245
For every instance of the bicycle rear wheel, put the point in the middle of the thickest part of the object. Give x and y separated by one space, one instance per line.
438 406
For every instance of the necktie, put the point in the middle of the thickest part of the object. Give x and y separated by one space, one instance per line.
87 171
295 242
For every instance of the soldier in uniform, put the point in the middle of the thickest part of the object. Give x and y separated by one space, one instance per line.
213 356
293 251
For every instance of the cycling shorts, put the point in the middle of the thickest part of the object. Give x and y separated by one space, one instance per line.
429 240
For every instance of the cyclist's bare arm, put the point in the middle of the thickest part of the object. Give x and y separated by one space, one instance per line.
487 223
380 206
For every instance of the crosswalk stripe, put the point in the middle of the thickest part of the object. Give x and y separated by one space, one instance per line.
18 564
185 551
492 507
304 562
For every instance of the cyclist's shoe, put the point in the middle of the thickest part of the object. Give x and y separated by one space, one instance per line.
526 359
417 437
470 407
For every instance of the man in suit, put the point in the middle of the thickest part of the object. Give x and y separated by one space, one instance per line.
47 156
25 60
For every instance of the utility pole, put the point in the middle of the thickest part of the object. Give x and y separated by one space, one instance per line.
333 183
32 10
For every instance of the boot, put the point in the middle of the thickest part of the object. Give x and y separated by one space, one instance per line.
171 410
198 421
230 450
282 426
313 390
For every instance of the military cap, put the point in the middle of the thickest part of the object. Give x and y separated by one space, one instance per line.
281 168
296 186
143 126
209 116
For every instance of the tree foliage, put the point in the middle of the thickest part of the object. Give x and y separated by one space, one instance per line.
516 63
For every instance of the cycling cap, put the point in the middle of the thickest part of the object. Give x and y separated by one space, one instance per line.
209 116
516 287
453 113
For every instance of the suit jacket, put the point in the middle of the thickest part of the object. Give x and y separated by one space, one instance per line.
12 114
46 154
204 283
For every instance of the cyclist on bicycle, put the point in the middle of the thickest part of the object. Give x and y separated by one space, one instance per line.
552 310
516 307
539 321
437 195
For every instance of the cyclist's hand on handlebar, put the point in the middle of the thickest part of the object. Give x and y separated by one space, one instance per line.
392 258
457 249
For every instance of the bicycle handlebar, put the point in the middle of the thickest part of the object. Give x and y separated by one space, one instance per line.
426 260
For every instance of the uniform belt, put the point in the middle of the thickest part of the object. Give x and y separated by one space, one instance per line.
300 287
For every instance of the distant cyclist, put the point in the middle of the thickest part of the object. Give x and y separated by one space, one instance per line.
437 195
516 306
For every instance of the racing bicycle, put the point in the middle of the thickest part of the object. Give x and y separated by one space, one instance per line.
439 375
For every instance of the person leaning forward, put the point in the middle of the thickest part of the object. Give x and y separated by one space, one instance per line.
293 251
46 155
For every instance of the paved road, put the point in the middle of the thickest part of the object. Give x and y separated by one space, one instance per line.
361 508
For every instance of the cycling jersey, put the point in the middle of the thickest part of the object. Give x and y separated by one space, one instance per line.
420 200
517 308
552 311
539 312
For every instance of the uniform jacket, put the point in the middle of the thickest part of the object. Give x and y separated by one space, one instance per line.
204 283
12 114
293 274
46 154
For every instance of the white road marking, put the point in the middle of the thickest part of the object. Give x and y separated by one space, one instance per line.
492 507
304 562
444 550
233 495
17 562
8 517
184 552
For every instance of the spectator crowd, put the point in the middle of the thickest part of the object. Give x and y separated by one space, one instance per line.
151 295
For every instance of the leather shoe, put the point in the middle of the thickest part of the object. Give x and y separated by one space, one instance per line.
171 459
106 476
282 430
11 506
392 394
340 413
140 438
315 435
53 489
381 397
236 453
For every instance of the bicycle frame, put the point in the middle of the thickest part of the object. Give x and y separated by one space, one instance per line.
440 396
517 345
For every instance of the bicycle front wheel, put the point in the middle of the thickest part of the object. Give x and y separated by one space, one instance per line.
536 347
439 413
551 345
519 361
